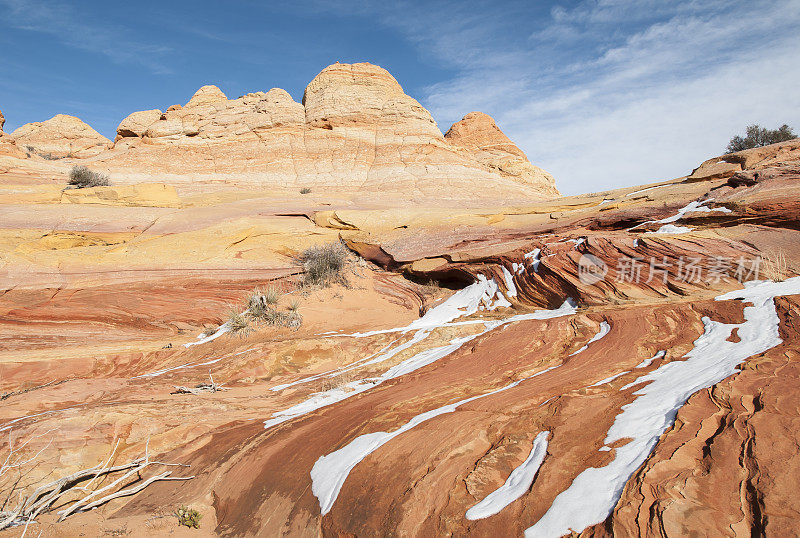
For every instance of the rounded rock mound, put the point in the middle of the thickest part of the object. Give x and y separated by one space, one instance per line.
479 134
366 94
61 136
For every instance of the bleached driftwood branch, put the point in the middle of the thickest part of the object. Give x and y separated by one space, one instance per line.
43 498
199 389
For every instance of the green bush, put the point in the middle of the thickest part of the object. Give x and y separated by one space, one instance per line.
188 517
757 136
81 177
305 190
324 265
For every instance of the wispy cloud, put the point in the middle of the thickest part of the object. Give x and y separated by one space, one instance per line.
65 23
615 92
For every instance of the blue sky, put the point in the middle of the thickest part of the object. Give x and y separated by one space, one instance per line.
601 93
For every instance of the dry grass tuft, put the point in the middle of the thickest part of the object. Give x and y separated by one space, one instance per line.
81 177
337 382
262 308
239 323
774 266
324 265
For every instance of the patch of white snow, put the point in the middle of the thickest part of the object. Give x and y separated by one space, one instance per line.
518 482
330 472
672 229
593 494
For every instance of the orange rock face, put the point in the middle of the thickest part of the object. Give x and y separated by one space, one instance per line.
478 133
749 159
485 370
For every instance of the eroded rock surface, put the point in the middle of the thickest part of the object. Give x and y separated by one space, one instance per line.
61 136
356 130
726 166
668 395
479 134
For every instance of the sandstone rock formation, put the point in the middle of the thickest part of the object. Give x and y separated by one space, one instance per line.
61 136
478 133
363 94
471 365
2 122
136 124
355 130
725 166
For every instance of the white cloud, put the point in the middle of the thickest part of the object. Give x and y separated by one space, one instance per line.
667 132
617 92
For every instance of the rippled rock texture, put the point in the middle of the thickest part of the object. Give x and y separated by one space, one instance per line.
617 364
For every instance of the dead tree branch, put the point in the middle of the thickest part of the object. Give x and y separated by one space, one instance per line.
82 483
199 389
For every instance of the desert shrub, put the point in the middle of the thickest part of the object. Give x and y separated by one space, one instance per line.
260 301
774 266
292 319
757 136
188 517
238 323
324 265
262 307
305 190
81 177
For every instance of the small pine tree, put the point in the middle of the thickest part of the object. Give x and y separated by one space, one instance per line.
757 136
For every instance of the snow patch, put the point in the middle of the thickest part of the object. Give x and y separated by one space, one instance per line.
464 302
423 358
672 229
645 363
500 301
604 330
609 379
330 472
593 494
512 290
692 207
202 339
518 482
536 254
644 190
